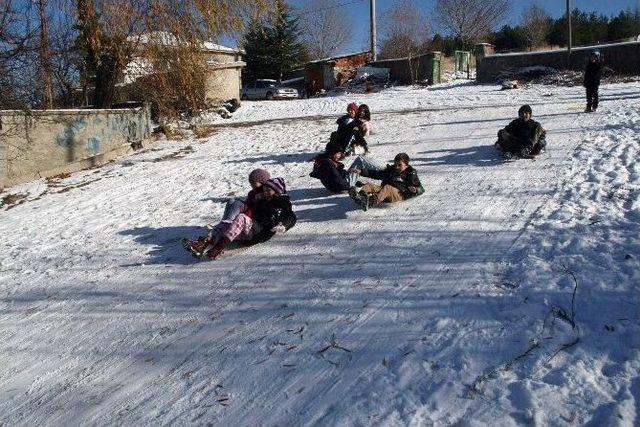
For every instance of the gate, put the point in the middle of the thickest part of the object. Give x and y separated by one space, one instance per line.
463 60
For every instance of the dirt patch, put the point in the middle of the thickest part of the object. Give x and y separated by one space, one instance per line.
12 200
175 155
202 132
79 185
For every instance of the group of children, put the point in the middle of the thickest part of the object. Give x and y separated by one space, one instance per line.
267 209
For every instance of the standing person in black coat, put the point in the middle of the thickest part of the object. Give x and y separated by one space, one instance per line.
592 76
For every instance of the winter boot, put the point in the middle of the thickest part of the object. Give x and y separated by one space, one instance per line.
371 201
220 246
355 195
198 247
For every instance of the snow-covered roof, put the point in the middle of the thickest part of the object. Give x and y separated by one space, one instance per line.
333 58
168 39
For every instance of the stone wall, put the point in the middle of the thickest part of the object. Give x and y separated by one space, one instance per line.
622 58
36 144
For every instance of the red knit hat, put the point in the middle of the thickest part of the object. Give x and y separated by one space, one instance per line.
352 106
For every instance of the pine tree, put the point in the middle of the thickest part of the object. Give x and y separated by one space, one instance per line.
273 49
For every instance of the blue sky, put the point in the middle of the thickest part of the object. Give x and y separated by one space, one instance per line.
359 10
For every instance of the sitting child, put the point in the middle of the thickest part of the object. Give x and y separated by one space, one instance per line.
399 182
361 131
234 207
233 210
343 136
331 172
522 137
271 214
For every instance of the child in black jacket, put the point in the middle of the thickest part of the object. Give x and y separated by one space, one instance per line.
523 136
399 182
270 214
592 76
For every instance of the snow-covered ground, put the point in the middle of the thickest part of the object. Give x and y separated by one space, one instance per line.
507 294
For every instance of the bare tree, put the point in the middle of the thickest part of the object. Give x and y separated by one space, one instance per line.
536 23
113 29
470 20
405 30
44 55
325 28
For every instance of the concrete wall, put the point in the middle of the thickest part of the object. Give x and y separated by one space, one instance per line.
408 71
35 144
623 58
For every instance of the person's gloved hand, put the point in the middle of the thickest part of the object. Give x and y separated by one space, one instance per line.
279 229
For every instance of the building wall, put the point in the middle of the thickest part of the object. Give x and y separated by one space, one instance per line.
623 58
223 84
338 69
408 71
346 68
223 81
36 144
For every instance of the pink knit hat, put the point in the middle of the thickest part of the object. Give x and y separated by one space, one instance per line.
277 185
352 106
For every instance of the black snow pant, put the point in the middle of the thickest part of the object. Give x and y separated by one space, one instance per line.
514 145
592 98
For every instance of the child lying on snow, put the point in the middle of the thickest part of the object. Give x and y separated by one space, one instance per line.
332 173
270 212
399 182
522 137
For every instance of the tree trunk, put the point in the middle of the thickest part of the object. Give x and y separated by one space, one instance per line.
102 62
45 55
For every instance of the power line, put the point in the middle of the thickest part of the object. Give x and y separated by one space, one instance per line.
309 12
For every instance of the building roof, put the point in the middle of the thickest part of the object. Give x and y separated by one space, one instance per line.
333 58
167 39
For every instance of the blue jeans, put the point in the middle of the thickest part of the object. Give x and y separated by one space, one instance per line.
232 210
360 162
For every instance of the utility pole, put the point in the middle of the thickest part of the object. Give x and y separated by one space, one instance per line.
569 30
372 10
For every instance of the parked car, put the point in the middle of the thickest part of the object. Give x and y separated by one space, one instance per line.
268 89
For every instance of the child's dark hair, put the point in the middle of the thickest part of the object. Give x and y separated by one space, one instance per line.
402 157
364 108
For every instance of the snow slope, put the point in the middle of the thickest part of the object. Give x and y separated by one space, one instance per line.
462 306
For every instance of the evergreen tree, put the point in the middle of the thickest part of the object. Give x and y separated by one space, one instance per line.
625 25
272 49
509 38
587 29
